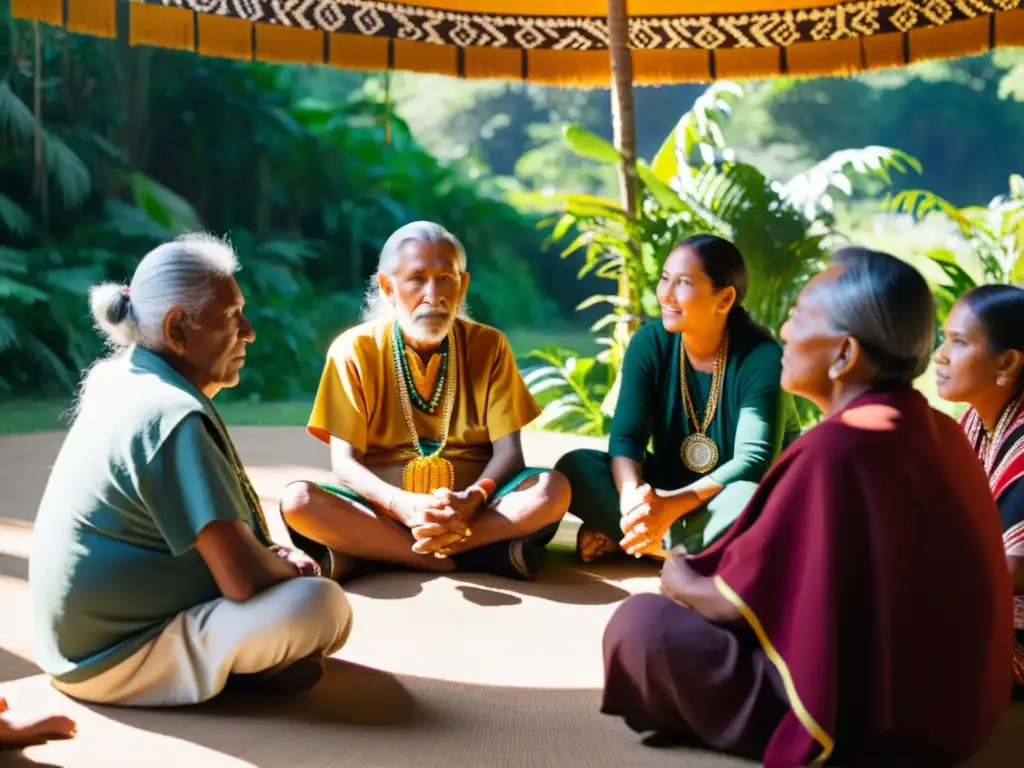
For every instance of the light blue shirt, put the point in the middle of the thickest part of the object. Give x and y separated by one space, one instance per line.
142 471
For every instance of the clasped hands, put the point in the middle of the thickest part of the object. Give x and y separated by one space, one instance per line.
647 517
440 520
303 564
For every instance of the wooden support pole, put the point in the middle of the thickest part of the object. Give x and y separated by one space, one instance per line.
624 128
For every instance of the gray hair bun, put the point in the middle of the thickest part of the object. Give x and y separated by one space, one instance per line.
112 311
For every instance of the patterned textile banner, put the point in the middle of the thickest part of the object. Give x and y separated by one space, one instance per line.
560 41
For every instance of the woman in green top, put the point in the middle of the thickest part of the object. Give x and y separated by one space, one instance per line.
686 452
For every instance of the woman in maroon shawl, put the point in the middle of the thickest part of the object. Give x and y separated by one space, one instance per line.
859 610
980 363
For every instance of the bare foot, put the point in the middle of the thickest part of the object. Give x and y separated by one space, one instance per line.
26 729
591 545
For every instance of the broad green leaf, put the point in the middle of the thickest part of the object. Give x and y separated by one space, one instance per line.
1017 270
666 197
589 145
665 164
129 221
164 206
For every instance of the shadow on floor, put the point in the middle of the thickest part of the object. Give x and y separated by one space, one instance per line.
14 668
362 716
13 566
561 580
12 759
350 695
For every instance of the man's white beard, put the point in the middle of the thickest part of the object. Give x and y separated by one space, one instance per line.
418 331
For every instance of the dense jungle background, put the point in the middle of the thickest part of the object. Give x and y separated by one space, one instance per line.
107 150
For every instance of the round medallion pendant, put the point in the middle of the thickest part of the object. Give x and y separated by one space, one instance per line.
699 453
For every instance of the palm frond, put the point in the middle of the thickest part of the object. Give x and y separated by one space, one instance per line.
814 190
921 203
9 337
698 133
68 171
16 117
17 220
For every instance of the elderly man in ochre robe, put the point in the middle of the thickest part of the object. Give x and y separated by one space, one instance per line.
422 409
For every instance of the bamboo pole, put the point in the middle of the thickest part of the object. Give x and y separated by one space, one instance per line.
624 131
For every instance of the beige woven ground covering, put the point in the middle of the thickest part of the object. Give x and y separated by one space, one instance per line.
462 672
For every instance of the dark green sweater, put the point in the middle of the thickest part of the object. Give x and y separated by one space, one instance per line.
754 421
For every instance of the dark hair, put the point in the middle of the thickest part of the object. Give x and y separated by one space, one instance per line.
725 267
1000 308
888 307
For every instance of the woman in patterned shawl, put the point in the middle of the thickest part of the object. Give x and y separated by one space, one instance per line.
980 363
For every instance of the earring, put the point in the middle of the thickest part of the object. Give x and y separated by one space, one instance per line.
833 374
1001 379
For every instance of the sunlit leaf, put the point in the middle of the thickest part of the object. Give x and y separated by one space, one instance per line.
589 145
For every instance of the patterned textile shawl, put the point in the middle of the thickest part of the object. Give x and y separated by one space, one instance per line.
1002 453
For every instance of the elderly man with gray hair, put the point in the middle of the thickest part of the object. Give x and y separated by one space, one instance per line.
153 576
422 409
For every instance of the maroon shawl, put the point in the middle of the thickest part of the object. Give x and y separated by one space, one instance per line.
870 565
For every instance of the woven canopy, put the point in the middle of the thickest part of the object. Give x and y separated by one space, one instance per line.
561 42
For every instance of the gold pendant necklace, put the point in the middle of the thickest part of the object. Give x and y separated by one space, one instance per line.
698 451
428 472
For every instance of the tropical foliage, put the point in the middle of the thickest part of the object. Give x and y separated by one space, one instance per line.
694 185
108 150
990 248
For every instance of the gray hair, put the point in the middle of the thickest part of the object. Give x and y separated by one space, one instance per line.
888 307
176 274
423 232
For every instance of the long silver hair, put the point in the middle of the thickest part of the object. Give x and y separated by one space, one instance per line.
180 273
377 305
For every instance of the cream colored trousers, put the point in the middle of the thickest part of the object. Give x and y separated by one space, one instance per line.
189 662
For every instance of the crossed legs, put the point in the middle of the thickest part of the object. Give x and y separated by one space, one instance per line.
532 509
277 640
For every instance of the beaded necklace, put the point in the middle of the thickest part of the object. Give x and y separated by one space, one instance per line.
442 373
428 471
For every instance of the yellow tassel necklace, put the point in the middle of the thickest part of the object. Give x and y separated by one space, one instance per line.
427 472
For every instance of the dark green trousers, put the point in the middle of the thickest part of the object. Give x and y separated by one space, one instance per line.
595 501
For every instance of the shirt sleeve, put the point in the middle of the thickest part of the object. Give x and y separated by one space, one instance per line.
510 406
632 423
189 483
339 409
762 418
